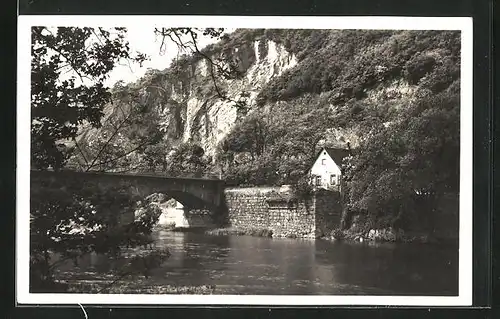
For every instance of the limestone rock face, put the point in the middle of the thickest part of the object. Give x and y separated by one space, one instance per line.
192 110
208 118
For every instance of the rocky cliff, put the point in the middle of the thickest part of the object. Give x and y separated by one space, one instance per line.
185 102
206 117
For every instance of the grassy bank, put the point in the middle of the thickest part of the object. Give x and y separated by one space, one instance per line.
90 286
257 232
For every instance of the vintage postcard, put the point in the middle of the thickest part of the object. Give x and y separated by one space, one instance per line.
244 160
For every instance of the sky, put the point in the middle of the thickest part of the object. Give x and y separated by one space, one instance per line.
144 40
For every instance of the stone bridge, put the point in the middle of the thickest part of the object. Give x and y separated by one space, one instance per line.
192 193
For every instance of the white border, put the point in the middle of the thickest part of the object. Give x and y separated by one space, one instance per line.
407 23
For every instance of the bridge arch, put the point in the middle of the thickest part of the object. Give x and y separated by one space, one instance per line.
192 193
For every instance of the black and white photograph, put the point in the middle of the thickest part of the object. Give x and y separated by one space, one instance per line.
245 160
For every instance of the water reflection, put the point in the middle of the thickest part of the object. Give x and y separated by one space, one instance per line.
253 265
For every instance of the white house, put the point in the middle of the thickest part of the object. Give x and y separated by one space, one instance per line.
326 171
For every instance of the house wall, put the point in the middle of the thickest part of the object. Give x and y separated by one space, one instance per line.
325 166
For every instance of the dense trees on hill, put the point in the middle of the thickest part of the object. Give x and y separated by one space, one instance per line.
350 62
392 89
403 170
272 148
398 90
329 89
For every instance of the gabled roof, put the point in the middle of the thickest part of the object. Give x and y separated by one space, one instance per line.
337 154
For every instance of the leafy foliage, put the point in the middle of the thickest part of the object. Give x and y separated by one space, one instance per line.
69 67
60 103
405 168
349 62
272 148
71 220
188 158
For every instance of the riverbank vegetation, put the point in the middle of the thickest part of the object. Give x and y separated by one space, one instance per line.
257 232
136 287
387 235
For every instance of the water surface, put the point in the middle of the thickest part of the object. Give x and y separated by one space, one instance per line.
255 265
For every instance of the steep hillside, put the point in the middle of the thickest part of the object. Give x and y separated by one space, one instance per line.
288 93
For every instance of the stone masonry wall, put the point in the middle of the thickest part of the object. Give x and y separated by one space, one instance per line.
247 207
274 209
295 219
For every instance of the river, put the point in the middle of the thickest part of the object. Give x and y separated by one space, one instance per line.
256 265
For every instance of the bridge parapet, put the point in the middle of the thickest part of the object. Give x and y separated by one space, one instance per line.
148 172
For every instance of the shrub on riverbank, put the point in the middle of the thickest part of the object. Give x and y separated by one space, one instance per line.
138 288
169 226
257 232
385 235
338 234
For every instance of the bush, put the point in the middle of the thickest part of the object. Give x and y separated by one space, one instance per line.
303 189
338 234
417 67
73 219
346 218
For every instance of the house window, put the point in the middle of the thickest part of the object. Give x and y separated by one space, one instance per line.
333 179
323 161
318 181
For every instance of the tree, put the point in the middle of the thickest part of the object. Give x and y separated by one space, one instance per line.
248 136
275 147
187 158
69 67
405 168
87 221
